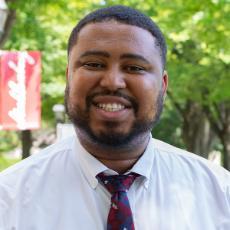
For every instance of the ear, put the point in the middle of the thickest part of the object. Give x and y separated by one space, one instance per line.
66 72
164 82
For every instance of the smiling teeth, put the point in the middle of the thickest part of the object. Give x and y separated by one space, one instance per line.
111 107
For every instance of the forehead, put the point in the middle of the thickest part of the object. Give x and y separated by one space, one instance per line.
115 37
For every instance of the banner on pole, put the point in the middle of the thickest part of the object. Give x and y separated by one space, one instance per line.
20 103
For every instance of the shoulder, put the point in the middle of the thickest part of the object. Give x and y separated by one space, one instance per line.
36 164
189 165
27 180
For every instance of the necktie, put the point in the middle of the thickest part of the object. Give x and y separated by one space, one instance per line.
120 215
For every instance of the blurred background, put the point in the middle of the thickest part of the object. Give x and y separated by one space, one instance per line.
197 109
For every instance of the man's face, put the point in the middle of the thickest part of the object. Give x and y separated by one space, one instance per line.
115 83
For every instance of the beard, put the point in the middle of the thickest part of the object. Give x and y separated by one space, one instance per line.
110 138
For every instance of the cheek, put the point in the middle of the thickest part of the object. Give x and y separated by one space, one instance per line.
147 93
80 86
145 88
148 103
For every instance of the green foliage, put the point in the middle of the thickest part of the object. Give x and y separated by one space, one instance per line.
197 34
8 141
168 128
5 162
198 50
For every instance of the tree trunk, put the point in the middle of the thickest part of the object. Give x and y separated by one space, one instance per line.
219 117
9 23
197 134
226 152
196 131
26 143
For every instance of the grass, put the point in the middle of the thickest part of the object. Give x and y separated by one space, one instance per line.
6 162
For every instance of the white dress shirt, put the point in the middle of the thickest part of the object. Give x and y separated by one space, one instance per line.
56 189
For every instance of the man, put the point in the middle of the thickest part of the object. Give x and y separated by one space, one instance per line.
113 174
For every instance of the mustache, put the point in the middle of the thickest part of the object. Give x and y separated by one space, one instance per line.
132 100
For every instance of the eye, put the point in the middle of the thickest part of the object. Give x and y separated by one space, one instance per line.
94 65
134 69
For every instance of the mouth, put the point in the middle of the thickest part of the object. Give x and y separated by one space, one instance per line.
110 107
111 103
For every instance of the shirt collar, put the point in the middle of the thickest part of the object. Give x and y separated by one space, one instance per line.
90 166
145 163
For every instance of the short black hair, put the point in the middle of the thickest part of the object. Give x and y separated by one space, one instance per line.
125 15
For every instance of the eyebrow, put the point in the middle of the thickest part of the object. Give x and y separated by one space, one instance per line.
134 56
95 53
107 55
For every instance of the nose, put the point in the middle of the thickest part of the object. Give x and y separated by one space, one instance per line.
113 79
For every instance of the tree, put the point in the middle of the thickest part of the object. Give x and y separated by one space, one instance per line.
43 25
9 22
198 61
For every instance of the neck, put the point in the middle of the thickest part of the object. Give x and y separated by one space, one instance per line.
120 166
119 160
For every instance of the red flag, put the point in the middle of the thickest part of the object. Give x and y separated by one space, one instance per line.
20 104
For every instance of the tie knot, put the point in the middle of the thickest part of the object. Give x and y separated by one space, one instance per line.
117 183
